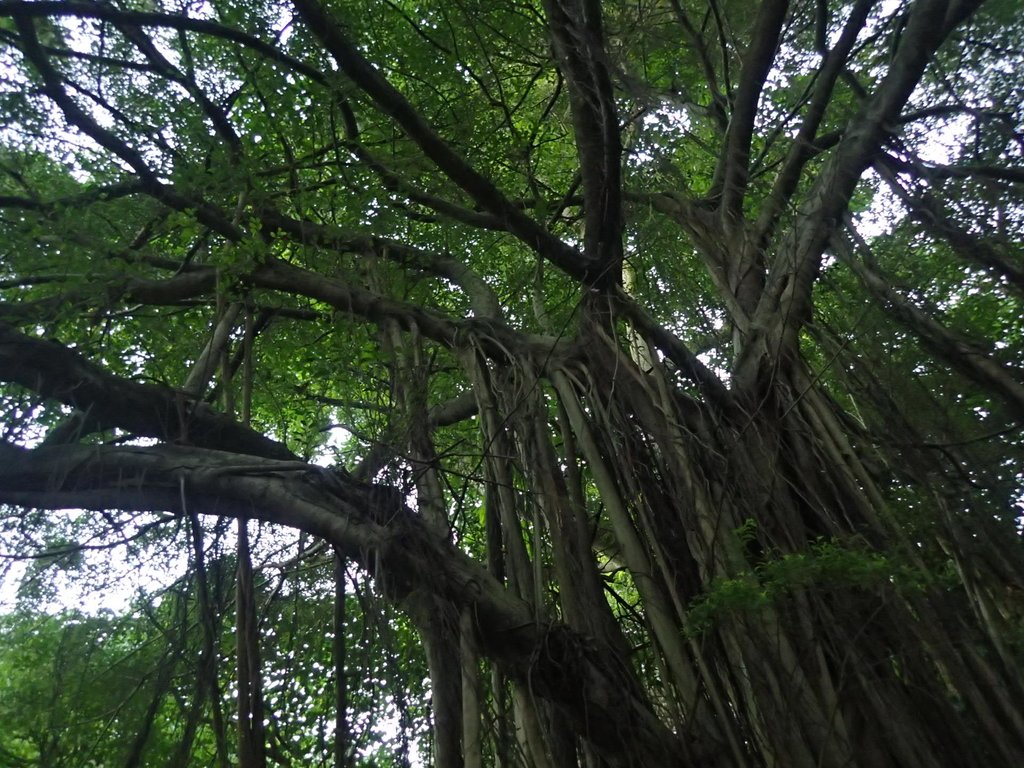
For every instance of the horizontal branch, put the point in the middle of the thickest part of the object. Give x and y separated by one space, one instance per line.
146 410
675 350
482 297
80 200
929 172
495 337
372 526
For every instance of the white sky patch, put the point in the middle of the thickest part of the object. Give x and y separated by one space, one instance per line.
103 578
337 439
939 145
942 142
668 120
885 212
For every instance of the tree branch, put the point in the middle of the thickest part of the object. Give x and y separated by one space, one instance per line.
482 297
494 336
758 62
803 148
480 189
927 210
1012 175
578 36
785 303
960 353
372 526
109 12
146 410
76 116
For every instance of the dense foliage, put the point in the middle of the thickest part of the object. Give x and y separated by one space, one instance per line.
557 383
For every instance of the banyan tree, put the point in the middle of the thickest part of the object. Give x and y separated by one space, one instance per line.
558 383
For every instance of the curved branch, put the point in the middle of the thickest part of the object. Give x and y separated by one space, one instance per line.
108 12
482 297
675 350
149 410
495 337
373 527
393 182
1011 175
480 189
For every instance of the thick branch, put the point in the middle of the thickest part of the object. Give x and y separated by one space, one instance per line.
785 304
803 147
756 65
149 410
372 526
578 36
480 189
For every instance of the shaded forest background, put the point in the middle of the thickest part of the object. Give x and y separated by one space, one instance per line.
542 384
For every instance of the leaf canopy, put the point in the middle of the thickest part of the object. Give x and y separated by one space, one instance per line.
606 383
